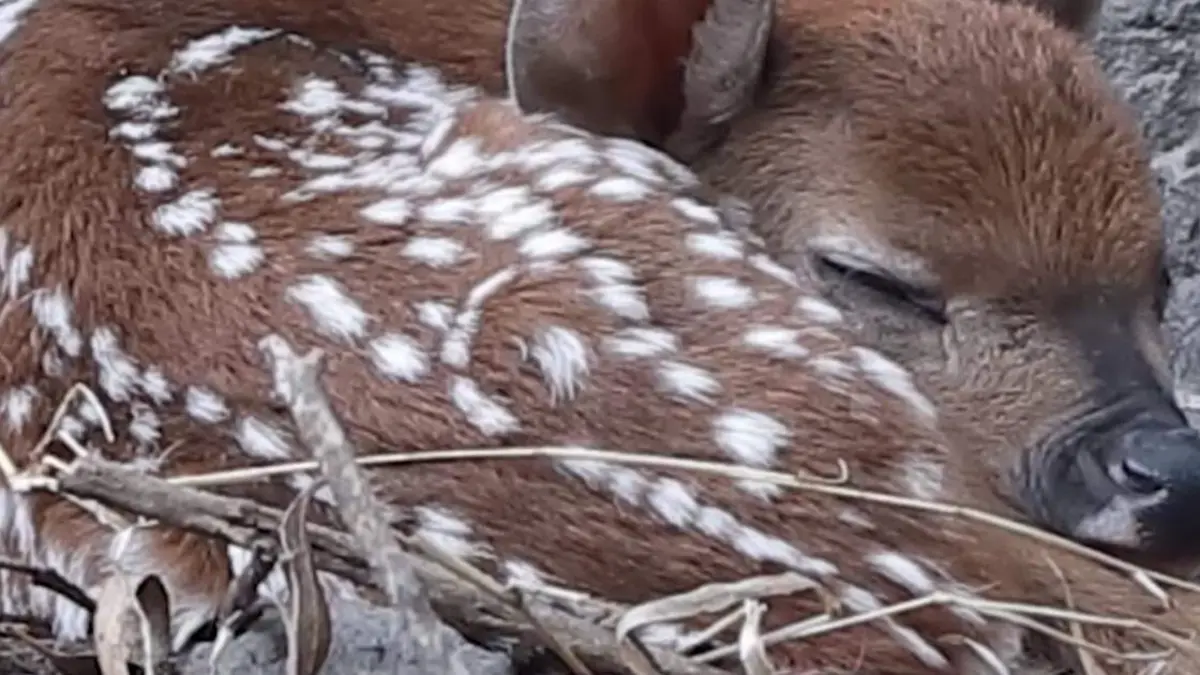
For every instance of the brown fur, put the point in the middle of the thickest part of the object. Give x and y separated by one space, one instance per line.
973 154
66 191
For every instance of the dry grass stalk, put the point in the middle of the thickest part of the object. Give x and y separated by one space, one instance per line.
468 608
1148 580
242 521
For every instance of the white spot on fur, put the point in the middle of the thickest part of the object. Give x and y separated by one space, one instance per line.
685 381
640 342
902 570
456 349
204 405
399 357
262 440
134 132
759 489
718 245
17 406
132 92
694 210
157 151
752 438
144 426
831 366
484 413
434 251
516 222
856 518
264 172
895 379
621 189
764 264
673 502
155 385
335 313
923 476
614 288
563 356
562 177
216 49
235 254
315 97
118 372
226 150
436 315
819 310
155 178
52 310
459 160
391 211
192 213
451 211
16 271
722 292
556 243
777 341
445 531
330 247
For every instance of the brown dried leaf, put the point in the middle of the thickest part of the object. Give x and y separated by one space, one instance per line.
154 611
132 623
307 614
110 627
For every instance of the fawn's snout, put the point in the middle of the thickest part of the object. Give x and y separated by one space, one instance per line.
1138 469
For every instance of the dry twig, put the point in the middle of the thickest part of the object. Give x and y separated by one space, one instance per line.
297 384
242 522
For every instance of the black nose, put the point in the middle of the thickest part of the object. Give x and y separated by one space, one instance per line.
1147 460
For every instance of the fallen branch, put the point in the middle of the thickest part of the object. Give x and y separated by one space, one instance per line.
243 522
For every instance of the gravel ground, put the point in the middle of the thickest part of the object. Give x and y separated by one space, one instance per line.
1152 50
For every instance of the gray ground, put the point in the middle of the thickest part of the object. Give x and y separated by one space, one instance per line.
1152 50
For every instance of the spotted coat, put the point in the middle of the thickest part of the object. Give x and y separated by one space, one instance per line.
477 279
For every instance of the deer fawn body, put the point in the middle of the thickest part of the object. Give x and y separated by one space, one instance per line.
176 187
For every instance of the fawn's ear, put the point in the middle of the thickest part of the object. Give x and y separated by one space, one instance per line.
670 73
1078 16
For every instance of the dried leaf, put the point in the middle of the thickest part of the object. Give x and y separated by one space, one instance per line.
307 614
132 624
154 610
110 636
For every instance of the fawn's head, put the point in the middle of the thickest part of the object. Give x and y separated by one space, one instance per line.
962 179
